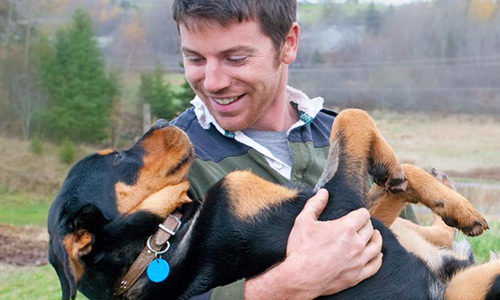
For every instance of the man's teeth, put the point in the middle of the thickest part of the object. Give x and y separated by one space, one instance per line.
225 101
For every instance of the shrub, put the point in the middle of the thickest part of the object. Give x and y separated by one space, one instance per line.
36 146
67 152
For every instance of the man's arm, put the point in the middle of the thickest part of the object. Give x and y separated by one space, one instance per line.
322 257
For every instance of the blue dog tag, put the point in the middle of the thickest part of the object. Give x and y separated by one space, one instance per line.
158 270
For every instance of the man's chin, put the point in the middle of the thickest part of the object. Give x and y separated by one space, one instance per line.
232 126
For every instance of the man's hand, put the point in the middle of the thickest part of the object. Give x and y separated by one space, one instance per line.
323 258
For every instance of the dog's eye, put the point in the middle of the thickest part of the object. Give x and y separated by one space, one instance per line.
118 157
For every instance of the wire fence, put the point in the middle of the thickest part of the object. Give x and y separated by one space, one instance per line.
454 85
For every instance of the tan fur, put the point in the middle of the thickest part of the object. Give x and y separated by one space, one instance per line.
474 282
164 150
386 207
442 200
423 188
438 234
251 194
413 242
166 200
77 245
106 151
417 244
362 139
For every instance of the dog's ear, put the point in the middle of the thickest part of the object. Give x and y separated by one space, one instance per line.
75 239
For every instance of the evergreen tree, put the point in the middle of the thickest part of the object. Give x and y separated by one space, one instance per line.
80 92
373 19
165 102
185 96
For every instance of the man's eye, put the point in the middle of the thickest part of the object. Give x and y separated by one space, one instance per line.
237 60
195 59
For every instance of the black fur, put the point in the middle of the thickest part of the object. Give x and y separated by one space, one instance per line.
494 293
221 248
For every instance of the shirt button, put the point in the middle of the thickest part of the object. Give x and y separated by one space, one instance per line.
277 165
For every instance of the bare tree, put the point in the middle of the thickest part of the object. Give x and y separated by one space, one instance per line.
24 93
432 56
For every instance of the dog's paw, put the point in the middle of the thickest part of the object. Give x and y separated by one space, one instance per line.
471 225
433 191
392 179
474 224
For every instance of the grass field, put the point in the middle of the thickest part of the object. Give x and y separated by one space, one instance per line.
18 208
457 142
465 145
30 283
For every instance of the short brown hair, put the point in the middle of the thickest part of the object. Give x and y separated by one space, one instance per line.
275 17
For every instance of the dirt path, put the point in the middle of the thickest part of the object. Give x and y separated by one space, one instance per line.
23 246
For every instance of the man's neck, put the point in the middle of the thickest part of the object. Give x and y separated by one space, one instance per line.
283 117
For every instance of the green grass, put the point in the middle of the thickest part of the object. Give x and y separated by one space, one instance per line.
41 283
19 208
37 283
30 283
488 241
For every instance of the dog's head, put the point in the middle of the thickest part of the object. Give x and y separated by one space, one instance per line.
87 246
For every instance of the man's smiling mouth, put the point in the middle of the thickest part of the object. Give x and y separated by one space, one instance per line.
226 101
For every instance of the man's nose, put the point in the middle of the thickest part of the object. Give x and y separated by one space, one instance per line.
216 78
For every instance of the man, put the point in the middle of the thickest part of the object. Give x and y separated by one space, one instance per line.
236 57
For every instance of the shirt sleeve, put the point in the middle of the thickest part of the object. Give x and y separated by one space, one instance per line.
233 291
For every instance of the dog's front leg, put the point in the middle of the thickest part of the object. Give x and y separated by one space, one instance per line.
453 208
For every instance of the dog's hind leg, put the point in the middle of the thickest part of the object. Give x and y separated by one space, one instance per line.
384 206
481 282
438 234
356 149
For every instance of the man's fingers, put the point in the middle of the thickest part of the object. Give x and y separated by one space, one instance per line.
316 204
373 247
357 219
372 267
366 232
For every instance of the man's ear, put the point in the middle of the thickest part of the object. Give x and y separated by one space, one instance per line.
76 240
291 45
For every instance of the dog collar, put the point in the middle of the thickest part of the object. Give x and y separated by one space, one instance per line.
159 244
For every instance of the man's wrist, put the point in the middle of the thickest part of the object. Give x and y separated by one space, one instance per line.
277 283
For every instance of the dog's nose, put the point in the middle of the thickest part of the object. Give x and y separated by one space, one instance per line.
160 124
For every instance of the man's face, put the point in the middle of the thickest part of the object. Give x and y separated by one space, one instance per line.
235 70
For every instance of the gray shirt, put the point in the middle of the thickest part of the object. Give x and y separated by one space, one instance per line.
274 141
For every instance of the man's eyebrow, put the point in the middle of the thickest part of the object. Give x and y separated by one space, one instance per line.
245 49
188 51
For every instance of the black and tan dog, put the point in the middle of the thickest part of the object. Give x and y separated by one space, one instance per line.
113 201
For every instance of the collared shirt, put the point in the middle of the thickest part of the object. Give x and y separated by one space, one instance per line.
307 110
